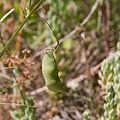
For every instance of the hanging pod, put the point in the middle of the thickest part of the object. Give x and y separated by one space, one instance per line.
50 73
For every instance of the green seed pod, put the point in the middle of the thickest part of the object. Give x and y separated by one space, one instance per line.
50 73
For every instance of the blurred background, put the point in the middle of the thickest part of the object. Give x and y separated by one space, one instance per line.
92 28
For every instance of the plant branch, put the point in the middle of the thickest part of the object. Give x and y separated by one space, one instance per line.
90 13
69 35
12 39
16 104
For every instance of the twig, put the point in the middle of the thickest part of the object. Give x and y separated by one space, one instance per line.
7 88
39 90
51 30
6 15
18 87
54 44
95 69
1 20
78 79
69 34
69 84
90 13
16 104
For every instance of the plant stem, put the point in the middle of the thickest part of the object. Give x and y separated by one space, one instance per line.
11 40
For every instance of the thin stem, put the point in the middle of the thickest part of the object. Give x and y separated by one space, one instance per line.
51 30
6 15
21 93
54 44
1 20
2 90
17 104
11 40
90 13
